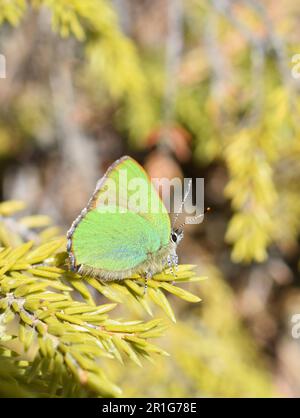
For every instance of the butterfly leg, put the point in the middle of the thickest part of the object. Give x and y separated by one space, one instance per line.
147 277
175 261
72 260
170 264
172 261
173 264
72 263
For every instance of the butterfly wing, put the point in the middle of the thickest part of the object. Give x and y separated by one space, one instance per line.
111 233
118 187
113 241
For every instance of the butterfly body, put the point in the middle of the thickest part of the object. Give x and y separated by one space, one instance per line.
113 241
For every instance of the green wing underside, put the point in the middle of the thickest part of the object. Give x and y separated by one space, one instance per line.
156 213
114 241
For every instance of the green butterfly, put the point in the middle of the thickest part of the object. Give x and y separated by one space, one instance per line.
111 239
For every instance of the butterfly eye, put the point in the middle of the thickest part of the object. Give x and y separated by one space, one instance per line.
174 237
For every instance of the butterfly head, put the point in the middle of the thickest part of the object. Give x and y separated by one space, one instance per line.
176 236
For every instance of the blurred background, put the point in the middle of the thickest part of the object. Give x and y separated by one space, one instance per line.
189 88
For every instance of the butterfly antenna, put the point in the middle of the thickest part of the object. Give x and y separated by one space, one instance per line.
182 203
208 209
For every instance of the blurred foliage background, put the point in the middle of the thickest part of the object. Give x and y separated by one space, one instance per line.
189 88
